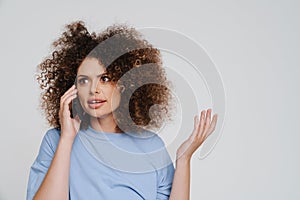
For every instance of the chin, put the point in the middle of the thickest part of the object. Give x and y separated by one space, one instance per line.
98 115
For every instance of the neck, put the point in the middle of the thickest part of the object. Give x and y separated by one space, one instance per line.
105 124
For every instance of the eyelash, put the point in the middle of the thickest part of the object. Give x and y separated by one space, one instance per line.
80 81
103 79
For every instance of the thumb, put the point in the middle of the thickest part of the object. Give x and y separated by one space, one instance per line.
76 122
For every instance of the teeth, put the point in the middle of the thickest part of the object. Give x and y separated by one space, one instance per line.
96 101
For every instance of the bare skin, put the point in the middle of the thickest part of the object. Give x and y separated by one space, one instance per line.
56 182
202 129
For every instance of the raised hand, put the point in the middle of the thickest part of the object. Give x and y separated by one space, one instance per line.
69 126
202 129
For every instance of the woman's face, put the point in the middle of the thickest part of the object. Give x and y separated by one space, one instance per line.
97 94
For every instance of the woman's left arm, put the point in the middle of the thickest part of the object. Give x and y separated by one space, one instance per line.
202 129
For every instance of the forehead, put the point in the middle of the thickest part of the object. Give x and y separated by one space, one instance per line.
90 67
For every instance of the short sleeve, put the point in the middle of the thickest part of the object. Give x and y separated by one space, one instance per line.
166 176
42 162
164 164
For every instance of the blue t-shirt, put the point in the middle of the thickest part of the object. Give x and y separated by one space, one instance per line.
109 166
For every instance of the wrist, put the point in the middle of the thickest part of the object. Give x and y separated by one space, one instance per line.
183 161
68 140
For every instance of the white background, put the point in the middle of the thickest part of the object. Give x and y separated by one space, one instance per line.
255 46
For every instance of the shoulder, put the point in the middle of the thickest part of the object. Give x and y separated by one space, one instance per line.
160 155
157 141
150 139
150 135
51 138
52 134
48 145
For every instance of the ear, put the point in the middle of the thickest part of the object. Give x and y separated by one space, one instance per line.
121 88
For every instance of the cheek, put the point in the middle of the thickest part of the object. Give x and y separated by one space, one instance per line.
81 96
115 99
82 91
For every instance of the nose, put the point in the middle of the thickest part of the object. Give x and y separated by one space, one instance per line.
96 88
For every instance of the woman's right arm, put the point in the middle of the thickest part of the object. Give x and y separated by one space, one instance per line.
56 182
202 129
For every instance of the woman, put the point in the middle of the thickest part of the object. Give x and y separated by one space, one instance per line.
98 94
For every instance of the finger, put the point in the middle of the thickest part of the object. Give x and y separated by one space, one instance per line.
212 125
201 124
77 118
198 134
67 95
196 126
69 99
76 122
196 122
206 125
66 103
207 120
69 91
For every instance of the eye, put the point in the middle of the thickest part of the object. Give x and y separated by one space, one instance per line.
82 81
105 78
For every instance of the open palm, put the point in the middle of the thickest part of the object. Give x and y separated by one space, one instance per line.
202 129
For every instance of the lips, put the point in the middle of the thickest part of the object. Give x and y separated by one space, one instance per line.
96 103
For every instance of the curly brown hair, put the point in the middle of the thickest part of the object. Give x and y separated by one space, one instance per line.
129 59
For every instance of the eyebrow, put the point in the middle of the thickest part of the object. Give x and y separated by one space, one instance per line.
88 76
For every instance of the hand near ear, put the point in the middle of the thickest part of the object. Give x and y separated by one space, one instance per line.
69 126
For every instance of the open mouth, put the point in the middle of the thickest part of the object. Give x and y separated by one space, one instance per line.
96 103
